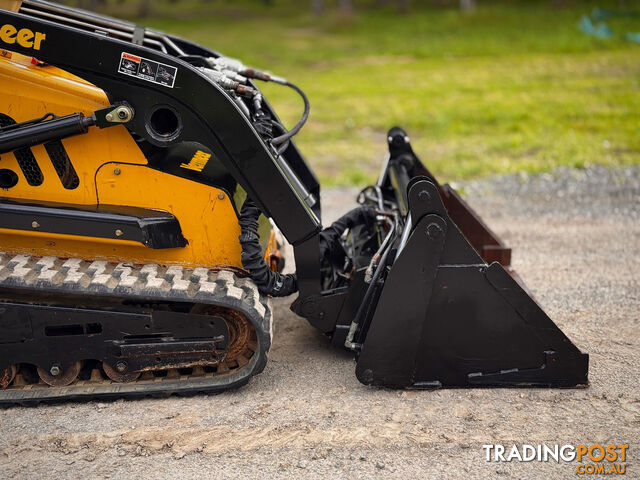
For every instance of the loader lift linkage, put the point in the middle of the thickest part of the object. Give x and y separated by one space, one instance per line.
412 281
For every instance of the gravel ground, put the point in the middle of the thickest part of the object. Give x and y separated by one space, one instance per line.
576 241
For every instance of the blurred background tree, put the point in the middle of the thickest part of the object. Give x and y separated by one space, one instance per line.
483 86
317 6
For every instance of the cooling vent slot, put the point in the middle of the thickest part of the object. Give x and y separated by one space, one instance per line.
57 154
25 158
62 164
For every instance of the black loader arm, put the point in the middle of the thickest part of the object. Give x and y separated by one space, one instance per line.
186 107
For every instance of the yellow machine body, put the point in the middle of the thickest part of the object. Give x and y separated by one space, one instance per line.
112 170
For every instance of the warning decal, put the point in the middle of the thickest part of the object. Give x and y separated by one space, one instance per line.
147 70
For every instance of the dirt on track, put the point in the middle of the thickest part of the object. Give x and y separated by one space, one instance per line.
576 241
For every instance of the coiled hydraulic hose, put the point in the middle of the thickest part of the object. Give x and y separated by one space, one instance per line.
268 282
365 215
274 283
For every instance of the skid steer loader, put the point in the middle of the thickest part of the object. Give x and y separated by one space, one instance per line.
138 174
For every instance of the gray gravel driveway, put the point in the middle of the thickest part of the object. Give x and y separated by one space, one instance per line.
576 241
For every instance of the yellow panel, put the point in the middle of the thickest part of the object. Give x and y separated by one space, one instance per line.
206 215
29 91
13 5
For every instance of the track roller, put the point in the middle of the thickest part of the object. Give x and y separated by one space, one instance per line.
119 374
60 375
7 375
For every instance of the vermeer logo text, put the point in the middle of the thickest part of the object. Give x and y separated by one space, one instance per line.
23 37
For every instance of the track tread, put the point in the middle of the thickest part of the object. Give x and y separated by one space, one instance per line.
150 282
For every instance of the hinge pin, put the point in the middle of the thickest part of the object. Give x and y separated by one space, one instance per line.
121 114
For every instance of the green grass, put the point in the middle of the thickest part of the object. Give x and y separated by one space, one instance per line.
509 87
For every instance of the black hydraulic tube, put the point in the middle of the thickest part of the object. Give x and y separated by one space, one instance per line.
268 282
330 236
360 323
30 134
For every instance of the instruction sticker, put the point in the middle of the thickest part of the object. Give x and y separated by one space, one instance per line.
148 70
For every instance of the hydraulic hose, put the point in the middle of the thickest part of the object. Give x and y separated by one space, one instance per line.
365 215
275 283
367 303
268 282
305 115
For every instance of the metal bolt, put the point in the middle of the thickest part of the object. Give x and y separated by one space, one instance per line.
424 196
309 307
121 114
367 376
221 196
117 171
124 113
55 370
434 230
119 233
121 366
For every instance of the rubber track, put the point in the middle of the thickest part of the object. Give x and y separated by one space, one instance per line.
25 273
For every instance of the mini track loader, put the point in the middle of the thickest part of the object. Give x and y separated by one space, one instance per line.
138 172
